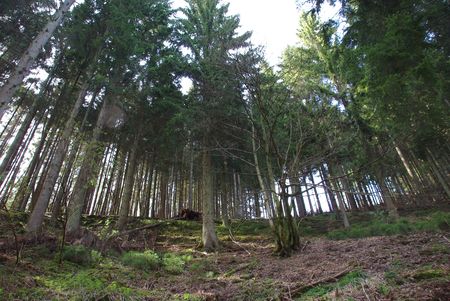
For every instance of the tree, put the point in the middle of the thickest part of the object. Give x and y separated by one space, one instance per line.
210 35
27 59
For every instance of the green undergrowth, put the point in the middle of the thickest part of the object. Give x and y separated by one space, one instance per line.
49 280
150 261
399 274
80 255
382 226
318 292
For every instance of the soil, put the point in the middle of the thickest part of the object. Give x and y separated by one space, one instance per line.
256 266
402 267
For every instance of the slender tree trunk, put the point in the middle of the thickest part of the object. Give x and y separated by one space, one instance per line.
434 167
87 171
347 189
319 206
257 205
25 182
339 196
62 193
26 62
128 189
224 198
191 176
388 201
6 164
163 195
328 190
37 215
9 129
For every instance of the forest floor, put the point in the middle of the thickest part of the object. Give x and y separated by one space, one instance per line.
410 261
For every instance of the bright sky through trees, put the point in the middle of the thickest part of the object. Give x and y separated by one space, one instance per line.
274 23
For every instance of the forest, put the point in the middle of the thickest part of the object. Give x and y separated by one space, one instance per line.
152 152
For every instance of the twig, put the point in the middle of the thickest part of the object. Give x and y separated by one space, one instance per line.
364 291
134 230
304 246
238 244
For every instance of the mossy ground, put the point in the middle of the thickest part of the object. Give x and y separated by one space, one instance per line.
408 264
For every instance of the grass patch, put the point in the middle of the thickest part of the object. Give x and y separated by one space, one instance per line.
175 264
243 228
381 227
149 260
146 261
259 291
427 273
80 255
351 278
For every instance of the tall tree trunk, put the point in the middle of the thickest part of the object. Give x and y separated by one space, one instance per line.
163 194
388 201
434 167
86 173
25 182
328 189
128 189
62 193
224 198
209 237
347 189
339 196
6 164
191 176
23 68
37 216
257 205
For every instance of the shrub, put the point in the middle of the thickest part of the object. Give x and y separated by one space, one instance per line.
146 261
78 254
175 264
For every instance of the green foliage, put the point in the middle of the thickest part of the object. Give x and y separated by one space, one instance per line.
379 227
188 297
78 254
384 289
174 263
393 275
426 273
245 228
146 261
351 278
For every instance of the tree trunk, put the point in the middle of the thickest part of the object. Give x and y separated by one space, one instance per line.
128 189
23 68
347 188
6 164
324 172
209 237
163 194
37 216
388 201
86 173
434 167
224 199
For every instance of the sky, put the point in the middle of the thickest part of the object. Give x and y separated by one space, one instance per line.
274 23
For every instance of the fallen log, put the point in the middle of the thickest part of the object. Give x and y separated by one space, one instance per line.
304 287
132 231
